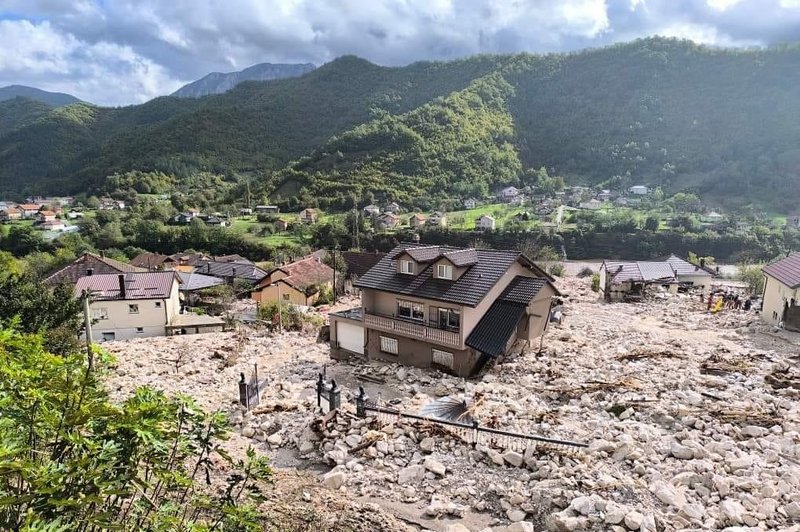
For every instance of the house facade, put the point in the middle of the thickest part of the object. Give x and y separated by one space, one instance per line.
451 308
416 220
387 220
639 190
89 264
782 292
10 214
299 283
484 223
508 194
437 219
308 216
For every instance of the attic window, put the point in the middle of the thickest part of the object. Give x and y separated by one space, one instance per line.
407 267
444 271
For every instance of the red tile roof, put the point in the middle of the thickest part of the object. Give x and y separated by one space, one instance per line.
88 261
787 270
307 272
147 285
148 260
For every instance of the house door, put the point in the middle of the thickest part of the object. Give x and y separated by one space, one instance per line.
350 336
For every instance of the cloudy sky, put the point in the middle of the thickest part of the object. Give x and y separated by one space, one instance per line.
117 52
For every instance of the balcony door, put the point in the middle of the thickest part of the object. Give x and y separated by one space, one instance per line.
449 319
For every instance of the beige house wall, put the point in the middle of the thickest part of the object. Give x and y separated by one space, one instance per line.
152 319
702 281
417 353
776 294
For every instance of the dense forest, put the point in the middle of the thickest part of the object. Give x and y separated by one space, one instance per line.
656 111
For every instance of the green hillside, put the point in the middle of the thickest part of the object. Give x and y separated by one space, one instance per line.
656 111
19 112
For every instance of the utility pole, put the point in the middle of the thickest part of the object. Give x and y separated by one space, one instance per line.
334 274
280 309
355 212
87 323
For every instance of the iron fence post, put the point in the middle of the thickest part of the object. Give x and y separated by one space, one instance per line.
475 434
335 397
320 389
361 402
244 400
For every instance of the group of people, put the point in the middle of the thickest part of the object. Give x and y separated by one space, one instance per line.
727 300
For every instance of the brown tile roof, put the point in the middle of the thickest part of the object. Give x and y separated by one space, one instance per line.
147 285
787 270
79 267
233 258
307 272
148 260
29 206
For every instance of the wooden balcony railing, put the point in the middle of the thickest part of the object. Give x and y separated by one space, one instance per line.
413 330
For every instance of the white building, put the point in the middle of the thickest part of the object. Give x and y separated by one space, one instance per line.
639 190
782 292
592 204
484 223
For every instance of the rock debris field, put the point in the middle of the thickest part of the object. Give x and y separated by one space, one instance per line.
692 422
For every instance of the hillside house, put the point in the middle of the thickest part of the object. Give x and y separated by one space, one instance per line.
712 217
309 216
10 214
267 209
604 195
592 205
139 305
152 261
782 293
88 264
622 281
74 215
416 220
437 219
470 203
28 210
245 211
299 283
445 307
109 204
484 223
691 275
372 210
282 225
508 194
392 207
387 220
639 190
52 225
45 216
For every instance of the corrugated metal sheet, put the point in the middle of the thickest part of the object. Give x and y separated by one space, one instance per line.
148 285
656 271
197 281
786 270
639 272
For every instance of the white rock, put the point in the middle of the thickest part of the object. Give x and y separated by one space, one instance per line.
382 447
434 466
615 514
495 457
693 511
582 505
565 522
633 520
681 451
275 439
352 439
248 432
305 447
515 515
743 462
521 526
668 494
334 480
457 527
427 445
513 458
410 474
793 510
732 510
754 431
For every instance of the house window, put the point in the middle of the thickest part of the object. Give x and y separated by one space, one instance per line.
100 313
449 318
139 330
444 271
285 297
133 309
407 267
389 345
410 310
443 358
109 336
158 304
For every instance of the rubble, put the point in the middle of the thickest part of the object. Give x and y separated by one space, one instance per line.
685 425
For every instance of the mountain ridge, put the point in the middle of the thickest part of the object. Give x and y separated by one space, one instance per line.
220 82
56 99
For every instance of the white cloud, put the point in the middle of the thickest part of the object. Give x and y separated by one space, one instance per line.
722 5
704 34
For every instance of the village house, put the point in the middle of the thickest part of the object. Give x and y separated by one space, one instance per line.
470 203
782 293
109 204
416 220
267 209
392 207
639 190
191 283
281 225
691 275
230 272
45 216
234 257
387 220
592 205
74 215
88 264
604 195
508 194
484 223
372 210
139 305
152 261
358 263
214 220
10 214
437 219
299 283
621 280
29 210
52 225
244 211
712 217
309 216
445 307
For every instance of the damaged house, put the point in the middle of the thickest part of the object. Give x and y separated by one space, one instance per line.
445 307
628 281
782 292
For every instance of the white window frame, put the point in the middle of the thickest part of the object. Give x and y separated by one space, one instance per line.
442 358
414 308
389 345
133 308
444 271
100 313
407 267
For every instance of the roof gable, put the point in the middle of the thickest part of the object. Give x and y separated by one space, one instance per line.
786 271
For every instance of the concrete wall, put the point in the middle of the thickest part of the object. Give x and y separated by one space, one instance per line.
417 353
776 295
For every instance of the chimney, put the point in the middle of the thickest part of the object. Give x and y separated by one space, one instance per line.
89 271
122 292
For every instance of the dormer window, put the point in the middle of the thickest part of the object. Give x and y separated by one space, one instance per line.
407 267
444 271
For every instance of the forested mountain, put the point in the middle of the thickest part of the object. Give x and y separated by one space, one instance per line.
655 111
56 99
19 112
219 82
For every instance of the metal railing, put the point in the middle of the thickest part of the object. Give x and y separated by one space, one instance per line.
414 330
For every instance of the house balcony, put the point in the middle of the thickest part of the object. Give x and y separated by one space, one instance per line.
411 329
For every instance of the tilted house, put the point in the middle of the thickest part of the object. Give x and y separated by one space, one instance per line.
442 306
782 292
89 264
691 275
620 279
299 282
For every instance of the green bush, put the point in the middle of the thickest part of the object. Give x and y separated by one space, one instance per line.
586 272
557 270
290 316
751 274
596 282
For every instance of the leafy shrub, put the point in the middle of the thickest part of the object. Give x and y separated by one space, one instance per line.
596 282
752 276
586 272
286 313
557 270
